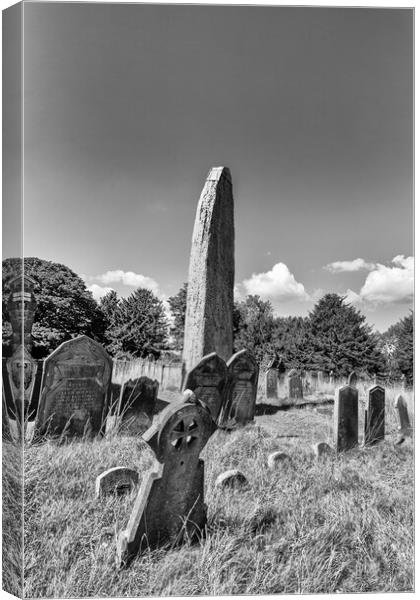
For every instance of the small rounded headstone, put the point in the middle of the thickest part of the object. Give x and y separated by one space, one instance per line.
231 478
352 380
322 449
118 481
275 458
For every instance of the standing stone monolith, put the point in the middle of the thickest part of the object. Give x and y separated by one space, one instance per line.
346 408
241 390
375 416
208 319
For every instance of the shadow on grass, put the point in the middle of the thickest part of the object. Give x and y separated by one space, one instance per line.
271 409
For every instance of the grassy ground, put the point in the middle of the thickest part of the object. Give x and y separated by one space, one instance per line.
336 524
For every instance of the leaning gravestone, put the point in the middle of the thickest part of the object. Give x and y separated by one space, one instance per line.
118 481
138 403
346 406
208 318
241 390
208 382
75 386
295 385
404 427
170 503
375 416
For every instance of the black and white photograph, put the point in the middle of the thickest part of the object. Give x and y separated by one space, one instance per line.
207 299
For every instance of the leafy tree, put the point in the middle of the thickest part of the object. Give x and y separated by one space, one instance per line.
138 326
397 346
178 306
290 340
253 327
340 340
65 308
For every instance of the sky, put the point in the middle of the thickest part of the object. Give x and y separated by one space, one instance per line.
127 107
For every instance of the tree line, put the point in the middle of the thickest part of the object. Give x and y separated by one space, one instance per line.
333 337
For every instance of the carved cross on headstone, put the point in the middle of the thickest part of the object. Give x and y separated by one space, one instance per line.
170 503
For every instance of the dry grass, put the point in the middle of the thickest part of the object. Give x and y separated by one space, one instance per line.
343 523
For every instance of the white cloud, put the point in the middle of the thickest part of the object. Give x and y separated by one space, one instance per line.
342 266
276 285
390 284
98 291
129 278
352 297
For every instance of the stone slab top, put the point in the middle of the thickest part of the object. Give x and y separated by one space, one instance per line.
217 173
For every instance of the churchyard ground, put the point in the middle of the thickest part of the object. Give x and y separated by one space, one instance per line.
333 524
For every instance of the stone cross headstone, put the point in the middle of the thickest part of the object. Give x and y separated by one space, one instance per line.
346 426
352 380
404 427
208 381
138 400
75 384
241 390
208 318
271 382
375 416
170 503
295 385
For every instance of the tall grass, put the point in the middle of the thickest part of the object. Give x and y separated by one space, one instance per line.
337 524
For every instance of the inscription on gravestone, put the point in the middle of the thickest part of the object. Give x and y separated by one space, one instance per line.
346 406
75 388
241 390
375 416
208 381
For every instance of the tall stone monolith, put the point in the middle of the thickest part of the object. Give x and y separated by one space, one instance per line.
208 320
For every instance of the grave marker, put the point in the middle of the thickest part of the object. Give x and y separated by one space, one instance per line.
138 403
352 380
271 380
295 385
346 406
118 481
208 319
75 388
375 416
404 427
241 390
208 382
170 502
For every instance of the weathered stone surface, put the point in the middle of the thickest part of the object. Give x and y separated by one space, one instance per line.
295 385
404 427
208 319
322 449
271 380
352 380
21 296
118 481
138 400
170 502
75 388
346 406
276 458
208 382
241 390
231 478
6 435
375 416
20 374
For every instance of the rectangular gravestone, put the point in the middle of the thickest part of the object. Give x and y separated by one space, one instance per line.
241 390
138 404
208 381
271 381
314 381
346 425
295 385
75 386
375 416
208 318
404 427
